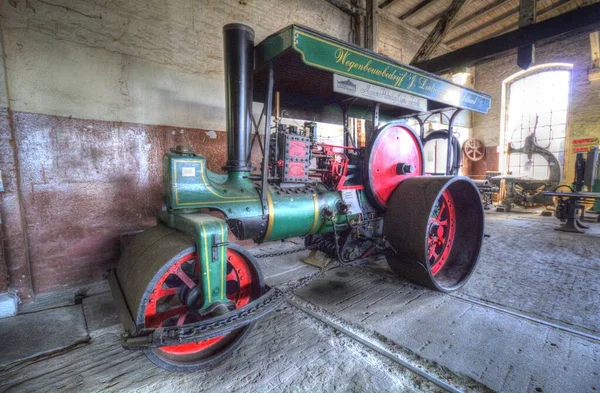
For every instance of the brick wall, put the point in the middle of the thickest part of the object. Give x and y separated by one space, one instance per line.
584 103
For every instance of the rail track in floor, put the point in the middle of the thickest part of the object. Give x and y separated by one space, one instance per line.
378 347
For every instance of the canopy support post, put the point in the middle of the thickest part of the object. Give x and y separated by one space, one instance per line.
265 163
449 148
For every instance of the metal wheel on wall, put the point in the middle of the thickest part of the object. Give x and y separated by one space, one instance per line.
474 149
159 279
436 237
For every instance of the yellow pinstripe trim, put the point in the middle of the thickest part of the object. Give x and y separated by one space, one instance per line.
271 215
236 199
207 263
316 219
223 259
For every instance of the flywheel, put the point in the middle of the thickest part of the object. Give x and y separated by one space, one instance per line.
435 228
393 154
158 275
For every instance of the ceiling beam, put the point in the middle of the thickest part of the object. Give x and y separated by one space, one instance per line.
388 3
540 14
420 6
393 19
477 14
439 32
431 20
345 6
481 12
483 26
581 19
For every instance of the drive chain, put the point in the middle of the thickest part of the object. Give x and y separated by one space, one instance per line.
175 335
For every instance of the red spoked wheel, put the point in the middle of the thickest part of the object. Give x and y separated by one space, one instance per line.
441 232
172 295
434 225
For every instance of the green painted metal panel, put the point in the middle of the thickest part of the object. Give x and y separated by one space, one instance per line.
300 214
210 235
272 46
188 184
330 54
326 54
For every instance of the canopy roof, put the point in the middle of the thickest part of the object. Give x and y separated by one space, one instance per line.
316 74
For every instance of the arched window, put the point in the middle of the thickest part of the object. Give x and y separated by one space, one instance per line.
535 102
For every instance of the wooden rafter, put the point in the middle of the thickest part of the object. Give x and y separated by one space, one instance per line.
477 14
345 6
483 26
385 14
431 20
579 20
540 14
439 32
481 12
388 3
419 7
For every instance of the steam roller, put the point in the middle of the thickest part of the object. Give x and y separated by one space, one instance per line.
188 295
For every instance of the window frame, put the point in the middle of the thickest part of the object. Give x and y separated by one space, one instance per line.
506 83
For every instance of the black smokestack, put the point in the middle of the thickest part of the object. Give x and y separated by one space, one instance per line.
238 49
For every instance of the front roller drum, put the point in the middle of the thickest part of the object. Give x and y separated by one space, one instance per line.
435 228
159 279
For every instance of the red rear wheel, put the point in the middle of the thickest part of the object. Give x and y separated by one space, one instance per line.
442 227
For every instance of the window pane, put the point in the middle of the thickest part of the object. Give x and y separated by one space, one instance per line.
537 104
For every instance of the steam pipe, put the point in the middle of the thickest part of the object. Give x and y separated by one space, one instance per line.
238 47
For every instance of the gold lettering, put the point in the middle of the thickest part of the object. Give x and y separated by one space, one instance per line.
397 76
341 55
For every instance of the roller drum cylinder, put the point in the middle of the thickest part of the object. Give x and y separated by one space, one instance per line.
435 228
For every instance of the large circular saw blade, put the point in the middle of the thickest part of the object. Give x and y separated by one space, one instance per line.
394 154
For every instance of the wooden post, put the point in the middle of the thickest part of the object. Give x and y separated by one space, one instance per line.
360 33
526 53
372 25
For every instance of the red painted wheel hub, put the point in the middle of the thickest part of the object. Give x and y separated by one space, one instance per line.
442 229
392 146
166 306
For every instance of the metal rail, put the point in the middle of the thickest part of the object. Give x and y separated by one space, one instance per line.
529 318
394 358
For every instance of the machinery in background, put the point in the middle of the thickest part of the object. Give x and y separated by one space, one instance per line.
570 205
188 296
487 189
526 191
